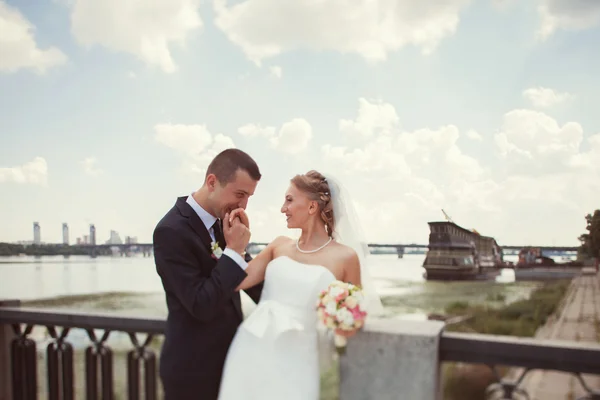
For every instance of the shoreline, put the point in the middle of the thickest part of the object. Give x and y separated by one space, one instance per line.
525 318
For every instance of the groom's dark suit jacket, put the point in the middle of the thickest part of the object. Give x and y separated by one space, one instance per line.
204 310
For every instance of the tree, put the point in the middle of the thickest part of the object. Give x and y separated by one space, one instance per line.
590 241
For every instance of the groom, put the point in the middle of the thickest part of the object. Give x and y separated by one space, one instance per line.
199 280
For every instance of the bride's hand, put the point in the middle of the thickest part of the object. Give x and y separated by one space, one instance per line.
241 214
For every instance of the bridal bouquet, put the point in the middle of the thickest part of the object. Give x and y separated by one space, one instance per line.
341 307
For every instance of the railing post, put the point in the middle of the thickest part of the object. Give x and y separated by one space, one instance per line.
392 359
6 336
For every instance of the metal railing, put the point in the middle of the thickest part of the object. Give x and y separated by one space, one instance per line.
530 354
99 372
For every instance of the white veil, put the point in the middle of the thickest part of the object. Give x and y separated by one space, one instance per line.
348 231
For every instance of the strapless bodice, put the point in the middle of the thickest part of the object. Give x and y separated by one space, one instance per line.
288 301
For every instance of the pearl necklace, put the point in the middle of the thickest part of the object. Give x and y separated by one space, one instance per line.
311 251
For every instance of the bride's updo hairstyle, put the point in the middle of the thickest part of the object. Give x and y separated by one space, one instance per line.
315 185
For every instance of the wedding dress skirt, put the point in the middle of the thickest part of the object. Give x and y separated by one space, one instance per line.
274 354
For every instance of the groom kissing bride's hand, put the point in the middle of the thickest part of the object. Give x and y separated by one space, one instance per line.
236 229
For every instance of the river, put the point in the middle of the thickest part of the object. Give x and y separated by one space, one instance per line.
130 285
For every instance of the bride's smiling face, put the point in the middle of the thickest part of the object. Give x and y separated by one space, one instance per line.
297 207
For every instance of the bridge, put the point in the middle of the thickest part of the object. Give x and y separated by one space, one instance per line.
401 249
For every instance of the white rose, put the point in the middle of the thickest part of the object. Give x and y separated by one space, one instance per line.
331 308
345 317
335 292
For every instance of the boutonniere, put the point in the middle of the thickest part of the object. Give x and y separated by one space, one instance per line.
217 252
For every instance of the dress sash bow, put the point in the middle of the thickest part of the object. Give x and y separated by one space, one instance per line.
275 317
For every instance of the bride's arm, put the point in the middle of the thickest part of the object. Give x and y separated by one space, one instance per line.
351 275
257 267
352 269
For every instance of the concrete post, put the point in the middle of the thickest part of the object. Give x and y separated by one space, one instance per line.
6 337
392 359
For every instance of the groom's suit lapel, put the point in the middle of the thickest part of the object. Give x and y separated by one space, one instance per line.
199 227
195 222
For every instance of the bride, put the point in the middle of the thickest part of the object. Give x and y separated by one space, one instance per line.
274 354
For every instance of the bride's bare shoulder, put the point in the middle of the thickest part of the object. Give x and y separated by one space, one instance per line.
344 253
281 243
347 260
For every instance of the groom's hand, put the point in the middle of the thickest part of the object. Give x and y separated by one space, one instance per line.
237 235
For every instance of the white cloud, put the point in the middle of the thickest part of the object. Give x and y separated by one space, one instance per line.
542 97
373 117
541 175
253 130
571 15
293 136
276 71
145 29
389 150
189 139
89 166
474 135
532 142
370 29
34 172
18 46
194 142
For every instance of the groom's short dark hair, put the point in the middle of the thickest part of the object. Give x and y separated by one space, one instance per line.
226 163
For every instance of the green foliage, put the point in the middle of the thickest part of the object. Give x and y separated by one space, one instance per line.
521 318
590 241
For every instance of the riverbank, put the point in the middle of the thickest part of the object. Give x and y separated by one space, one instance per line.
522 318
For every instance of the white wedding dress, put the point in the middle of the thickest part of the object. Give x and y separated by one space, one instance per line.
274 354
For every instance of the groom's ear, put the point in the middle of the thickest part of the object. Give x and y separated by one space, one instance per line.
211 182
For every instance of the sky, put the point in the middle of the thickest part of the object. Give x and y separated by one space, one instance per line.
487 109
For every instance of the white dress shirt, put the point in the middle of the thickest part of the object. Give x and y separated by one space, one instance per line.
208 220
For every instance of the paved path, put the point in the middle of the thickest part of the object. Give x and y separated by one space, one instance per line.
578 321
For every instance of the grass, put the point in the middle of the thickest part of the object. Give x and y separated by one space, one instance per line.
521 318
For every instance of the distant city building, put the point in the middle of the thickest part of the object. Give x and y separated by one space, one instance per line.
92 234
131 240
37 234
114 238
79 241
65 232
86 239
